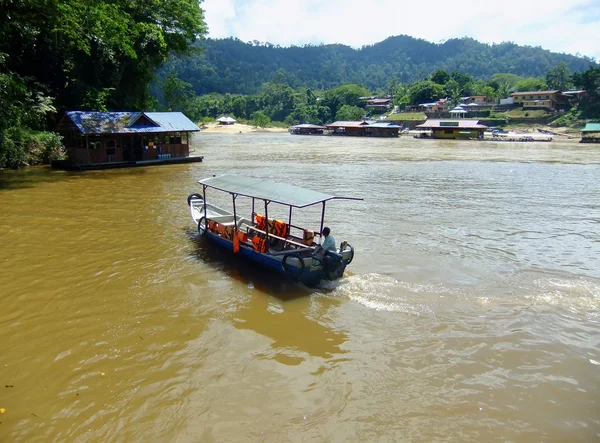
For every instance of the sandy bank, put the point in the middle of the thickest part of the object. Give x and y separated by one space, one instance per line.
237 128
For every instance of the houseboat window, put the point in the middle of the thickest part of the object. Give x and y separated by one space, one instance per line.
448 131
110 151
111 144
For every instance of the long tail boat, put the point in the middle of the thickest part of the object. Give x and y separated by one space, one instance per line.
278 245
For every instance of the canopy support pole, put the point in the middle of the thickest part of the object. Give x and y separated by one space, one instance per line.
267 220
234 214
252 216
322 221
204 202
290 218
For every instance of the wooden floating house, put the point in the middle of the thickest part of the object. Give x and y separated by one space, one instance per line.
591 133
454 129
364 129
307 129
99 140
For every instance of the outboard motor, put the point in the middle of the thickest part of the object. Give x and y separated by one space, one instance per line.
333 265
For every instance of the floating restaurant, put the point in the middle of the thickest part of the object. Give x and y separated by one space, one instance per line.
364 129
454 129
307 129
99 140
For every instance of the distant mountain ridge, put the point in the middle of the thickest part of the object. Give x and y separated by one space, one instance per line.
233 66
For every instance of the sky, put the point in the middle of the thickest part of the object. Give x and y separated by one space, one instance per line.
570 26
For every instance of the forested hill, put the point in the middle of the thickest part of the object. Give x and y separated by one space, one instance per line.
233 66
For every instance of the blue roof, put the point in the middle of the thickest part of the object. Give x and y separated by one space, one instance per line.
130 122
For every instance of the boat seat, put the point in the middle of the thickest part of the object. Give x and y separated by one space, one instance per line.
222 218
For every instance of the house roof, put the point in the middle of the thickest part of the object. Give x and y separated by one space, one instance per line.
384 125
591 127
347 124
536 92
308 126
130 122
379 101
449 124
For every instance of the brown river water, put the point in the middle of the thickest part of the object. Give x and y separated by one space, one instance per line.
470 311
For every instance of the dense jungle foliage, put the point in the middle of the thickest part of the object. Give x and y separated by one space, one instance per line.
278 101
81 54
233 66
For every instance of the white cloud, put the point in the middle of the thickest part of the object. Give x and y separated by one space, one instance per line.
560 26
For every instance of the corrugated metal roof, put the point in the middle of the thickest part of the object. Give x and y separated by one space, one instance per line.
130 122
384 125
172 121
226 119
266 190
347 124
461 124
536 92
591 127
309 126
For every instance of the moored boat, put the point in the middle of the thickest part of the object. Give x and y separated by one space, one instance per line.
277 245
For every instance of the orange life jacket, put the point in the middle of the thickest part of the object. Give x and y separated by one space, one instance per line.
225 231
242 237
212 225
281 228
261 222
259 244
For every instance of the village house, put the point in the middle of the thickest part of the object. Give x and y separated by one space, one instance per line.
379 105
364 129
115 139
226 120
552 100
307 129
454 129
429 108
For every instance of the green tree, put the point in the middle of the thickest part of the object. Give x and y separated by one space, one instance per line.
350 113
453 92
80 48
440 77
239 106
530 84
559 77
335 98
260 119
590 82
425 91
177 93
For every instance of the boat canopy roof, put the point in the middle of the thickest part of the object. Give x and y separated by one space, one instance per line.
267 190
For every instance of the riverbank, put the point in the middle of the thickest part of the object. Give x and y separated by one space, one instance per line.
237 128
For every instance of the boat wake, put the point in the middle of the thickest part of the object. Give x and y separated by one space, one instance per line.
385 293
580 298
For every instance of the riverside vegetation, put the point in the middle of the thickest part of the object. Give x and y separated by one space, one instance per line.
74 54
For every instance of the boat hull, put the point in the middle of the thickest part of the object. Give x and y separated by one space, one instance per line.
308 275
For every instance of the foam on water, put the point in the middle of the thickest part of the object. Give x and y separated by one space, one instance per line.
579 297
385 293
